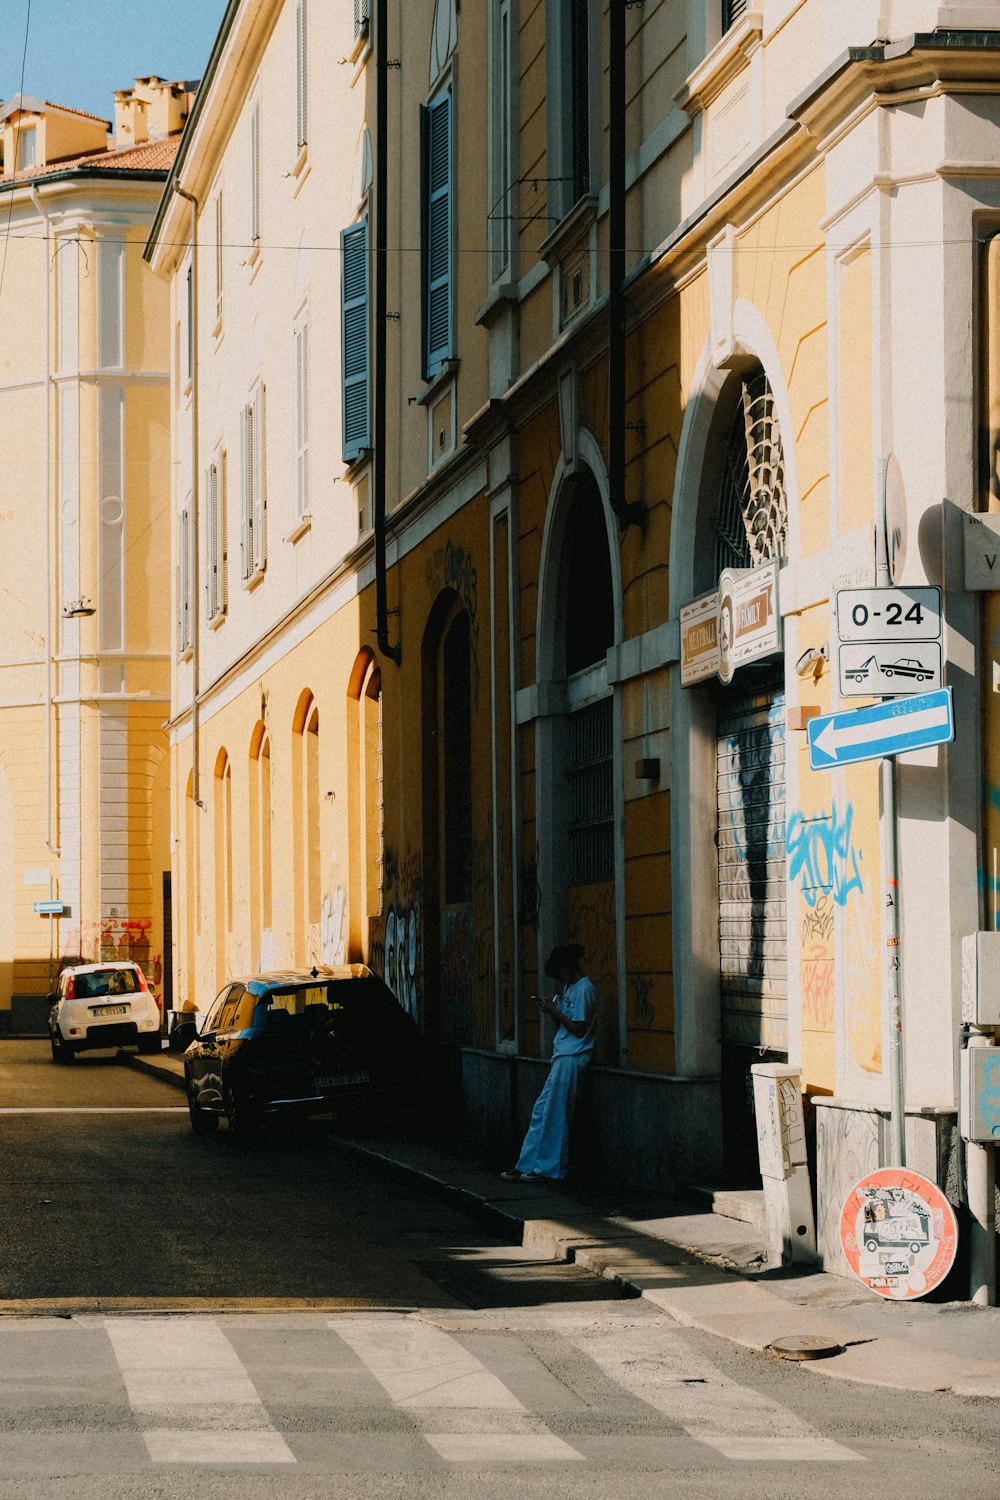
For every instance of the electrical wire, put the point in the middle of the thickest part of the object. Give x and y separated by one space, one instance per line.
17 130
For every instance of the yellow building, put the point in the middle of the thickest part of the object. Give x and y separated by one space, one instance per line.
84 606
540 374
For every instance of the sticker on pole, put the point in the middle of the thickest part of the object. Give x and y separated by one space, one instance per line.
899 1233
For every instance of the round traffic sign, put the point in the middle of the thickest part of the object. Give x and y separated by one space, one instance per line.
899 1233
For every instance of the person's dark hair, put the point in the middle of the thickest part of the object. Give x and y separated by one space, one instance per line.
566 954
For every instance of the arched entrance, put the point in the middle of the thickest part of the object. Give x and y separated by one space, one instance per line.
729 755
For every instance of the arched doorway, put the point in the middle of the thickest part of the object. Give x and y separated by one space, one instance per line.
729 755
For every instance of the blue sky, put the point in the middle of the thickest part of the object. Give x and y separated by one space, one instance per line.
80 51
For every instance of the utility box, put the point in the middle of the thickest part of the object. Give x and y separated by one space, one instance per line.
981 979
781 1145
979 1095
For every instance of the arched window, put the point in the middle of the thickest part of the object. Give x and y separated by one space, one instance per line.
192 904
222 833
751 520
306 872
365 806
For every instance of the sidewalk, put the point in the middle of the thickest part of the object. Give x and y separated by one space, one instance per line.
703 1268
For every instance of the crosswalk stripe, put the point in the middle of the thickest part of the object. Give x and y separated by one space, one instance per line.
191 1393
660 1367
427 1373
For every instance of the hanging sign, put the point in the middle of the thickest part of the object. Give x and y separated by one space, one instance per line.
700 638
734 624
749 622
898 1233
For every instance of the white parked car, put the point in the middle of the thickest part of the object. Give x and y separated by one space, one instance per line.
102 1005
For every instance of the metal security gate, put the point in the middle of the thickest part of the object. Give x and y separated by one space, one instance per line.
751 841
750 783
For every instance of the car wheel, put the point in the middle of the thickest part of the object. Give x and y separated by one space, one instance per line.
61 1050
150 1044
887 671
243 1120
56 1049
202 1123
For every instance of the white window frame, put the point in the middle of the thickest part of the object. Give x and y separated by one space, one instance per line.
560 101
219 224
27 147
502 190
253 488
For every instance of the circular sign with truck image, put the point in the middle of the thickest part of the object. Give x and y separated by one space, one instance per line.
899 1233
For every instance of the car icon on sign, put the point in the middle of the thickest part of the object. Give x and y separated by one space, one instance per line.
858 674
906 667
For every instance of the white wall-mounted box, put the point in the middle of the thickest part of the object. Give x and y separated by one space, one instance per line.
981 979
979 1095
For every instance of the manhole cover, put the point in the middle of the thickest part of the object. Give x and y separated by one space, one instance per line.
804 1346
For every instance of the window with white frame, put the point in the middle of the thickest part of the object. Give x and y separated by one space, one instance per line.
184 580
502 207
301 339
189 344
253 494
732 11
215 536
255 170
301 72
573 101
27 147
362 14
437 251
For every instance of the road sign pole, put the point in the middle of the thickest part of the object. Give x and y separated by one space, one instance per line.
892 978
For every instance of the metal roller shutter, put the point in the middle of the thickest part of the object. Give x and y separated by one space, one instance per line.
751 858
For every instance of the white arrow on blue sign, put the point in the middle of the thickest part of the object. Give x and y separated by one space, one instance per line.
49 908
882 729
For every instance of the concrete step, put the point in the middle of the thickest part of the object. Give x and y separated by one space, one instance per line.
744 1204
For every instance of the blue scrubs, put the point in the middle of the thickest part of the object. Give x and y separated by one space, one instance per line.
546 1145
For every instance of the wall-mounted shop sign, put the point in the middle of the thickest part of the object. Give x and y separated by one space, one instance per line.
737 623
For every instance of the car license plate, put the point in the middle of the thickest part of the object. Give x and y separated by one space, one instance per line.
340 1080
108 1010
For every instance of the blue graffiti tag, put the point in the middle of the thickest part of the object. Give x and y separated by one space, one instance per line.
822 855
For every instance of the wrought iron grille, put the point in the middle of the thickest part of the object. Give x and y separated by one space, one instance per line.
751 522
590 772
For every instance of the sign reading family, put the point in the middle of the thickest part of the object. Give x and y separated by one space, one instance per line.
736 623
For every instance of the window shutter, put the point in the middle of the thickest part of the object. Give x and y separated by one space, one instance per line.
218 257
732 10
255 170
355 356
302 417
437 247
246 495
302 71
211 541
260 481
184 551
360 17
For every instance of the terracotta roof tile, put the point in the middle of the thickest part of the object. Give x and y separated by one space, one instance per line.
152 156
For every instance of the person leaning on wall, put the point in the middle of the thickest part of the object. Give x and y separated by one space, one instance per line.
545 1152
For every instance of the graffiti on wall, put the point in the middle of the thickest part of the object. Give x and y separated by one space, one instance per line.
643 1013
333 926
395 947
451 566
116 939
826 862
822 855
458 970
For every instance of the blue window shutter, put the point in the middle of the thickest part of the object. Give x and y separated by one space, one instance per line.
438 263
356 359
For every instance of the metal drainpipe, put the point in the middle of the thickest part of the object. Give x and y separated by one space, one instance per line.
49 603
394 653
195 480
634 513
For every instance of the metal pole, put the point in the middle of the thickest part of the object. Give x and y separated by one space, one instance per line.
980 1177
892 975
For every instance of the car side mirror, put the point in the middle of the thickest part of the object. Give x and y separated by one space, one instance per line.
183 1035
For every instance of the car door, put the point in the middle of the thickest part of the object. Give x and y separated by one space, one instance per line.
203 1061
230 1028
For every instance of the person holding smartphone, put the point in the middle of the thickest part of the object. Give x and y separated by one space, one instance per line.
545 1152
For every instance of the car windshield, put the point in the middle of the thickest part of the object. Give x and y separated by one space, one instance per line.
106 982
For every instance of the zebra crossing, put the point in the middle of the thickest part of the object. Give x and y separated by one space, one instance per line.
233 1391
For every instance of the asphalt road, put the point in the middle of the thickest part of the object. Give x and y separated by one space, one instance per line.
328 1333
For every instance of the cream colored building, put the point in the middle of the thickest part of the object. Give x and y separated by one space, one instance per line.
84 602
508 736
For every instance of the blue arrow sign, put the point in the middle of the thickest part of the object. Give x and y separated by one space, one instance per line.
883 729
49 908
